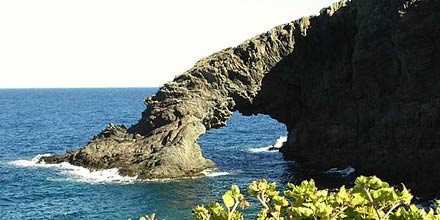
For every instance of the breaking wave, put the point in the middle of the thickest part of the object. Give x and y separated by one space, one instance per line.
271 148
214 173
77 173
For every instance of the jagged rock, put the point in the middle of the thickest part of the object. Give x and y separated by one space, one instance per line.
357 85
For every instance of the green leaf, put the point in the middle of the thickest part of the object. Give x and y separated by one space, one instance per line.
235 190
301 212
228 200
406 195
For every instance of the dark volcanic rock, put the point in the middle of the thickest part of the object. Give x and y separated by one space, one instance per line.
357 85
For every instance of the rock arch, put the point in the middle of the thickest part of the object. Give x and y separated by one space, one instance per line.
356 85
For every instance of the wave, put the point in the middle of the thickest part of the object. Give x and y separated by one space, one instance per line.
77 173
30 163
271 148
260 149
214 173
343 172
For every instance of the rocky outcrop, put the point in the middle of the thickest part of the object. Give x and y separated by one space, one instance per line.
357 85
164 142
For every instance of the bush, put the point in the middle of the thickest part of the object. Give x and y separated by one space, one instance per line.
370 198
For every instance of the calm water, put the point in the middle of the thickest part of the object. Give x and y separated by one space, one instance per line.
40 121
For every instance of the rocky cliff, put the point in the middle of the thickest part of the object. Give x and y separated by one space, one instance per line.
358 84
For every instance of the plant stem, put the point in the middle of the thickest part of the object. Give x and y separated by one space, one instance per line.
233 210
373 203
261 199
336 214
391 210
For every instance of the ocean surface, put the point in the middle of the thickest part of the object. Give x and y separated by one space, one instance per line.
34 122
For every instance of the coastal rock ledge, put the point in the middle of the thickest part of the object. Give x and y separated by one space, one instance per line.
357 85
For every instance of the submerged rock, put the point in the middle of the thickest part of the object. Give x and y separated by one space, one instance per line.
358 85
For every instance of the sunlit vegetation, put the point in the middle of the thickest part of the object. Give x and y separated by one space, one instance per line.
369 198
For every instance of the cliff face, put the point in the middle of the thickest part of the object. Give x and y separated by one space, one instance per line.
363 89
357 85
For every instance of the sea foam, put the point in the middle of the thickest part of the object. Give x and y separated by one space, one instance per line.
77 173
278 144
343 172
214 173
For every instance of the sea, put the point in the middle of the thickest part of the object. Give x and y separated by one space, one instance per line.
37 122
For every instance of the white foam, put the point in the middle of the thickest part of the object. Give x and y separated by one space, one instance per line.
343 172
280 142
259 149
77 173
214 173
29 163
271 148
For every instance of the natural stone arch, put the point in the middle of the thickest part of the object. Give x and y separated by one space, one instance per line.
164 142
357 85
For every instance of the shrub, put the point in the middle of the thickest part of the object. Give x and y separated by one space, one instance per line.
370 198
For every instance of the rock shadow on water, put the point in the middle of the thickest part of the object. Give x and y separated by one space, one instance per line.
331 179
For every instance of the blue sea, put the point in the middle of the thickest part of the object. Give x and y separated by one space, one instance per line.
34 122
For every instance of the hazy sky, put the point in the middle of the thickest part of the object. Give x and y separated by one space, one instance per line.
131 43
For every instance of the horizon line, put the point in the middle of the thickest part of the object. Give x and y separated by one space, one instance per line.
85 87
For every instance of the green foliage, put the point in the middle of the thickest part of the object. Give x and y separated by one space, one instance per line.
370 198
147 217
232 200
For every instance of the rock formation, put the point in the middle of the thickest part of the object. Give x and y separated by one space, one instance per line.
357 85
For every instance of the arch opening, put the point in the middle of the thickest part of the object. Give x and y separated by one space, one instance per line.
243 147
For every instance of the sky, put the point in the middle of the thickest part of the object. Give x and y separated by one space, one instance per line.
130 43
